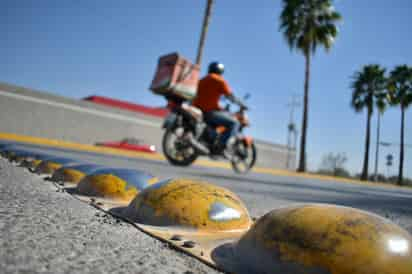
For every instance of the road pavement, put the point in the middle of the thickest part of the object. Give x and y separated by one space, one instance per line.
45 231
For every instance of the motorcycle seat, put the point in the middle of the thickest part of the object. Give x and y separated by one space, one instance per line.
194 111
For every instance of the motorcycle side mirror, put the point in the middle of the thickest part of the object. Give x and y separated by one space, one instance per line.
247 96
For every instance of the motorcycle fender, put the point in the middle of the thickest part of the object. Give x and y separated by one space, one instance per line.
169 121
248 140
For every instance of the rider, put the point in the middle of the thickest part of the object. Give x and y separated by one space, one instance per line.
209 91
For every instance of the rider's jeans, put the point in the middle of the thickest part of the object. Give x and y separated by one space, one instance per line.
223 118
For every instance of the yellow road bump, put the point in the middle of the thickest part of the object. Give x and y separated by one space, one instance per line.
18 156
213 225
74 173
116 184
323 239
50 165
32 162
194 216
189 203
13 154
9 151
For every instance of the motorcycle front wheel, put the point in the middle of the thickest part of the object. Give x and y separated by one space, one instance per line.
244 157
177 149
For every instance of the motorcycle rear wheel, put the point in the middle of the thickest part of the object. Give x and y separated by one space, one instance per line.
175 150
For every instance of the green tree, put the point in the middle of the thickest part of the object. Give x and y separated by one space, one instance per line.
368 90
306 24
400 93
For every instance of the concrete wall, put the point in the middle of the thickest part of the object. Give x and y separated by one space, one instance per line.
34 113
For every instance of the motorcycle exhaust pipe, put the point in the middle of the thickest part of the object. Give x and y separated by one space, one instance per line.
200 148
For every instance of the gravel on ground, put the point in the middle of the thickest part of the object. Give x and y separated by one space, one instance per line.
46 231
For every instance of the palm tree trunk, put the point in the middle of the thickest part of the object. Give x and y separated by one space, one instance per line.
364 175
400 176
205 26
378 131
302 157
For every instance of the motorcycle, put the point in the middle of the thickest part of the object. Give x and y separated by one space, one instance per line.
187 136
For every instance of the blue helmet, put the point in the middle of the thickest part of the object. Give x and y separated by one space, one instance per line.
216 67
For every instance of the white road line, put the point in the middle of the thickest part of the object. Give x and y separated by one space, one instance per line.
80 109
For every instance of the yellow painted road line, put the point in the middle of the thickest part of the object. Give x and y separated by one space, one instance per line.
77 146
158 157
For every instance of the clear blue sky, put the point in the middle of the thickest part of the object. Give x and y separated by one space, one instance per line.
82 47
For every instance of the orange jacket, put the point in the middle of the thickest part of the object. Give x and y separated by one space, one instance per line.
209 90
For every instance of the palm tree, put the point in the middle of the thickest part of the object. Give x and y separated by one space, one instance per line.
306 24
400 93
368 90
205 25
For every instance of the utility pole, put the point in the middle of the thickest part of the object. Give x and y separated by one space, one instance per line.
292 131
205 25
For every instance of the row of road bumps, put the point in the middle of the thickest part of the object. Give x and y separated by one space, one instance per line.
212 223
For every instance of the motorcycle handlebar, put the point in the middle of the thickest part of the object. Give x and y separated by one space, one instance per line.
238 102
242 105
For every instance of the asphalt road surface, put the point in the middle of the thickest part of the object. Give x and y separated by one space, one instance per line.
44 231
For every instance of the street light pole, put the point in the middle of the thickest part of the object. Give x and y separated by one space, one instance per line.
389 159
205 25
292 132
